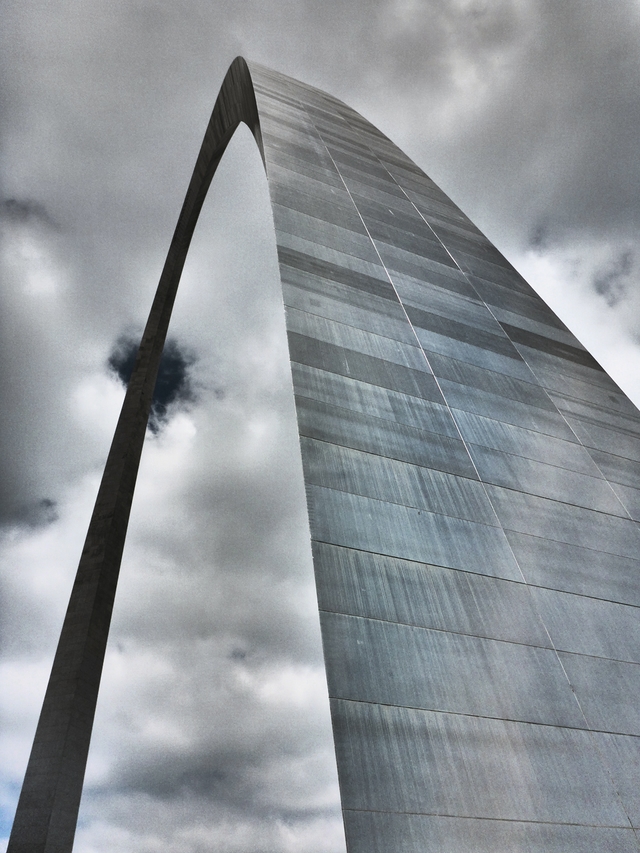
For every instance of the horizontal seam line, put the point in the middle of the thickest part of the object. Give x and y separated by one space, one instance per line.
500 525
624 827
512 720
418 509
483 637
498 578
373 384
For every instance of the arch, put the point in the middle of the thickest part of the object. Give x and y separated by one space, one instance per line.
47 810
463 497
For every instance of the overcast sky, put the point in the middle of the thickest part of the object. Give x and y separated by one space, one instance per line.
212 727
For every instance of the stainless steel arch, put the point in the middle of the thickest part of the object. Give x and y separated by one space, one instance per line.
470 478
47 811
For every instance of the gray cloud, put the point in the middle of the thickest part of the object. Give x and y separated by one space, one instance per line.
24 210
212 728
612 282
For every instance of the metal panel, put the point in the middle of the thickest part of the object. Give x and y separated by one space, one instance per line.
356 365
607 691
435 299
465 329
397 482
386 438
547 330
401 760
598 414
564 522
623 759
477 355
508 438
380 832
382 403
537 358
617 469
500 408
580 389
358 340
629 498
590 626
412 534
571 568
370 660
366 584
547 481
610 440
482 379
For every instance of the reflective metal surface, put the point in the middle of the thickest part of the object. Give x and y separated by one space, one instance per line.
472 482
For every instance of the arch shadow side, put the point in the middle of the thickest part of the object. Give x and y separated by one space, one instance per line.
47 810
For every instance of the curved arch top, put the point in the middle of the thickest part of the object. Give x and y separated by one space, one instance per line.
474 519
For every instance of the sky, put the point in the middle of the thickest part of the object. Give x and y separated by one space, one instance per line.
212 727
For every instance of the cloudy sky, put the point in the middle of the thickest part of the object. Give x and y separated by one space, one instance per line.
212 726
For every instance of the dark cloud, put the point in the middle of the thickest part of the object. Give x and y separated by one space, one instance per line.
42 512
29 513
173 384
613 281
539 236
122 358
24 210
